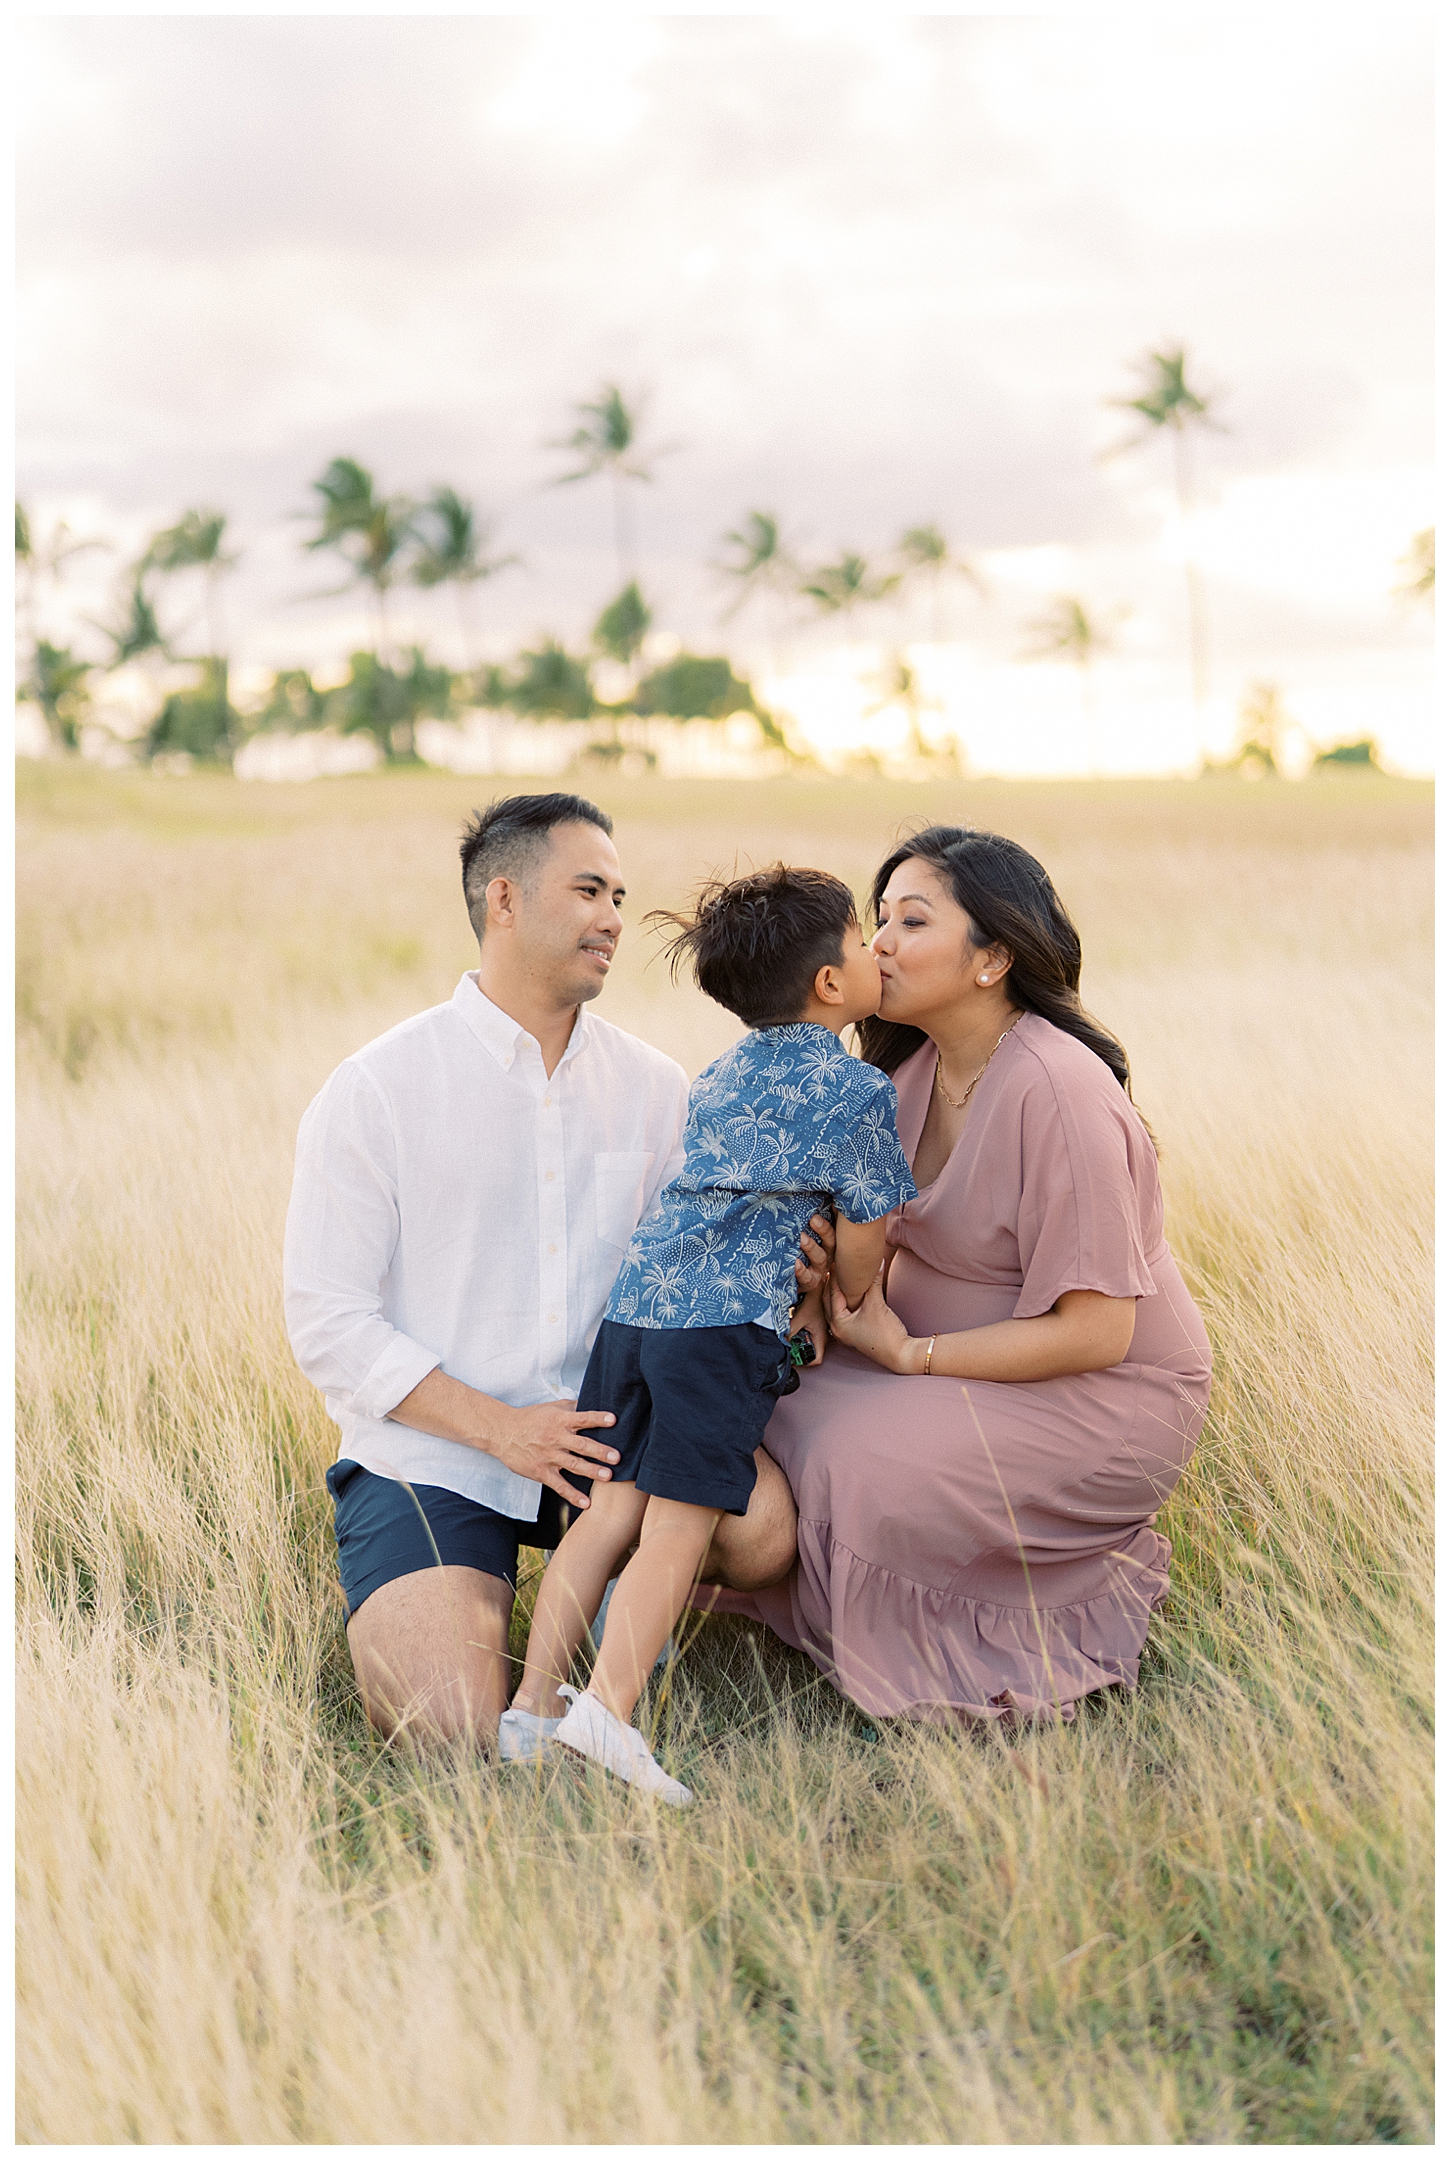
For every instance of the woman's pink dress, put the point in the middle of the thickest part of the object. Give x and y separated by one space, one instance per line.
970 1548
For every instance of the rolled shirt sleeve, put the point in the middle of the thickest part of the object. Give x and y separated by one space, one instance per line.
342 1233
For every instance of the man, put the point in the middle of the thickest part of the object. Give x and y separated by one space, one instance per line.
464 1190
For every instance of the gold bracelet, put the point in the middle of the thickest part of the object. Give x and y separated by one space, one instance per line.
926 1368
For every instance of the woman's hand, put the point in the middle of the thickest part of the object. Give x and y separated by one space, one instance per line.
818 1250
872 1328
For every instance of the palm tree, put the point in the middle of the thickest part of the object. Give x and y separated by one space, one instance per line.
387 702
551 685
839 588
198 722
369 531
695 686
762 562
1167 402
1418 582
1263 722
762 565
37 559
1068 632
136 633
927 554
195 543
453 550
900 684
619 636
57 683
294 704
607 441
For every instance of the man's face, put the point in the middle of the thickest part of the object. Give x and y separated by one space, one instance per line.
566 913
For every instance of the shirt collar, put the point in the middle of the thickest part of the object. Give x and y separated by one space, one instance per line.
806 1031
501 1035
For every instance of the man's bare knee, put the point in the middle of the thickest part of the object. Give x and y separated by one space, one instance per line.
430 1652
756 1550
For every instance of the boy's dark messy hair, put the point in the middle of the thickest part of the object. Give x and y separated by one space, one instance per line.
756 943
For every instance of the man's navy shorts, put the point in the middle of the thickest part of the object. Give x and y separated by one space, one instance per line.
690 1406
381 1531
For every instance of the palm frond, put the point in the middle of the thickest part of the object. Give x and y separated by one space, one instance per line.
193 543
847 583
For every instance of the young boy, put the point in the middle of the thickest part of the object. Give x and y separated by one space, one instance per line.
694 1349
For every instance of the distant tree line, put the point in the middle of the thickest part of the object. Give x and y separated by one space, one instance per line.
382 541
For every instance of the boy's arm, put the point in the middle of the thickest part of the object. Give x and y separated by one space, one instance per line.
860 1249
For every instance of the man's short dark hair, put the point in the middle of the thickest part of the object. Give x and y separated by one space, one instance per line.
757 943
502 841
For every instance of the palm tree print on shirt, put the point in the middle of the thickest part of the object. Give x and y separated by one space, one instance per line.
785 1124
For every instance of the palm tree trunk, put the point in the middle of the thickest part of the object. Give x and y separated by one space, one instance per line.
622 549
465 627
1090 720
1197 624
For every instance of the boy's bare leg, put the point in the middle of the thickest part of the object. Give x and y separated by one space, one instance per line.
573 1590
653 1591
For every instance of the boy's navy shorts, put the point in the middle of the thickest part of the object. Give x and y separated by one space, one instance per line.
381 1531
690 1406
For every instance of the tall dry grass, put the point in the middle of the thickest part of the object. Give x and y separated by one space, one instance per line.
1200 1914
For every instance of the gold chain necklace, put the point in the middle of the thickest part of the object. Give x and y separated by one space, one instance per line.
986 1062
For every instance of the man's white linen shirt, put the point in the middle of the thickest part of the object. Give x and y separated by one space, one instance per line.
454 1205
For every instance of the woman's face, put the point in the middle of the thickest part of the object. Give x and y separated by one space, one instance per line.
924 947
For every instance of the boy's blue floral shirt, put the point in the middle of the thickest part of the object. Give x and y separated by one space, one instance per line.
785 1123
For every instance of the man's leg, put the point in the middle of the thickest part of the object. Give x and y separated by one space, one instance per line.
756 1550
430 1651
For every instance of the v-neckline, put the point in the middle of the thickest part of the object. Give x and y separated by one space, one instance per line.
911 1124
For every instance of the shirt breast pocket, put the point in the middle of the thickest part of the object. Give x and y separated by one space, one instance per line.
620 1181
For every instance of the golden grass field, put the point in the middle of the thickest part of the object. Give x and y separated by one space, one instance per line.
1201 1914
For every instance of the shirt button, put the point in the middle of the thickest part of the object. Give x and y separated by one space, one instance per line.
554 1317
548 1177
548 1102
552 1248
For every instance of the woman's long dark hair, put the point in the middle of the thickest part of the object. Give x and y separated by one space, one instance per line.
1009 900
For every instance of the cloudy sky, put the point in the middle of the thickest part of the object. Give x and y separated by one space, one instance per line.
859 274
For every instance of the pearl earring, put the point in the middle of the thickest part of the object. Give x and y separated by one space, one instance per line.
984 980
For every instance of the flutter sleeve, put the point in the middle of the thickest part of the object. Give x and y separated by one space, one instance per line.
1090 1205
869 1173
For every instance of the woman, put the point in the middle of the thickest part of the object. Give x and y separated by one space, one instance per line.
977 1467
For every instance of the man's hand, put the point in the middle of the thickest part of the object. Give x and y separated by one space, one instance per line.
818 1250
541 1443
551 1439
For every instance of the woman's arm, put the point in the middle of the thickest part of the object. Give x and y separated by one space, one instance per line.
1084 1332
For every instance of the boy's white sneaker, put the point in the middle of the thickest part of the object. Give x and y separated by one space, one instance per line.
522 1737
591 1729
